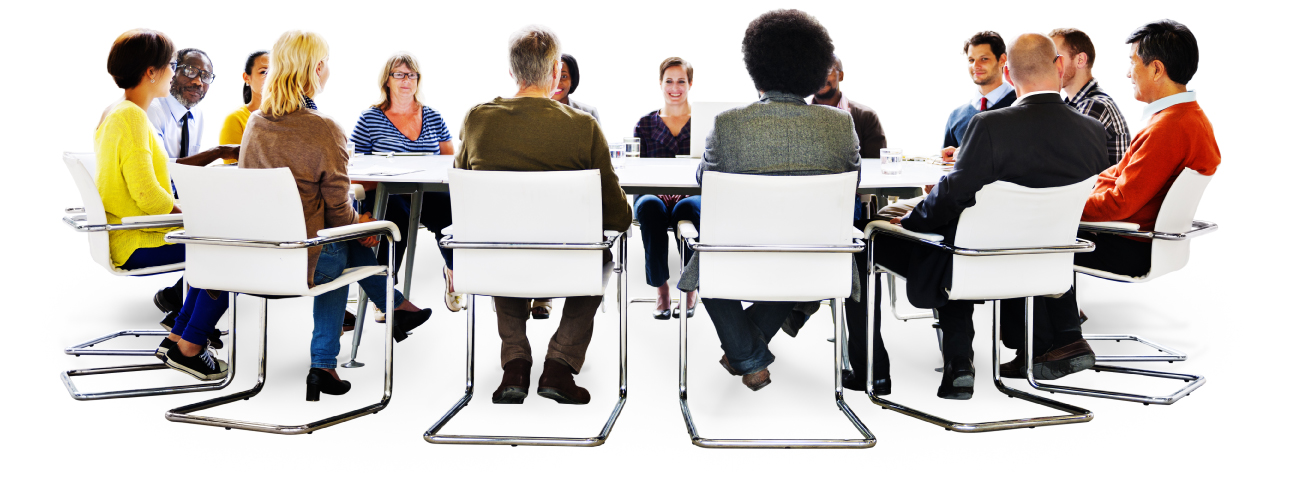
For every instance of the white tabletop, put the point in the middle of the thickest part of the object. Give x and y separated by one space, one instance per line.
636 176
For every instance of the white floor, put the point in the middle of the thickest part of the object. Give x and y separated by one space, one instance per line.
1210 437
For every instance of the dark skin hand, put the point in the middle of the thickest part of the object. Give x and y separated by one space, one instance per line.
210 155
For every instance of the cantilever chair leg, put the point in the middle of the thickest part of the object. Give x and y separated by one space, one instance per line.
87 348
1167 354
145 392
891 292
1074 414
431 435
185 414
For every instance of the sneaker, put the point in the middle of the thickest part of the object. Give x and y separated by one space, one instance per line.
169 321
202 366
164 347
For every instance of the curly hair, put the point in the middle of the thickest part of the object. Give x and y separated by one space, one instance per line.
788 51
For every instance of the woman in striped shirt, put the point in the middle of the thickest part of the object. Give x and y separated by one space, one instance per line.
400 123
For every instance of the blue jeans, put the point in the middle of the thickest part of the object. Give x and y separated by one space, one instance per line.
745 333
331 307
653 224
434 214
197 319
155 256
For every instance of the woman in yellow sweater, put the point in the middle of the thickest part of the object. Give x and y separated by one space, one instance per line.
254 77
132 181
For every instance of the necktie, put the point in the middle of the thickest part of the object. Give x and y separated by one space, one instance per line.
983 107
184 132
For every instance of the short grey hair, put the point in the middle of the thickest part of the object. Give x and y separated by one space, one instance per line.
1031 58
533 53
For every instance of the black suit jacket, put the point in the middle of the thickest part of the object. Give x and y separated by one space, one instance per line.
1039 142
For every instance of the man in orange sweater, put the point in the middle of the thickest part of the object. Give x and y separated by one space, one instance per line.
1163 57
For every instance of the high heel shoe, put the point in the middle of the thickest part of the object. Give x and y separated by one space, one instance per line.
320 381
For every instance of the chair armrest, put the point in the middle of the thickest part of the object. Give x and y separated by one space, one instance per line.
372 227
74 210
160 218
1111 225
856 233
358 192
687 230
897 229
447 231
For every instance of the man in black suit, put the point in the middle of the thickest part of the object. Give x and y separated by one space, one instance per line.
1039 142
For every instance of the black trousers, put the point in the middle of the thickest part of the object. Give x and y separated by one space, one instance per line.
435 215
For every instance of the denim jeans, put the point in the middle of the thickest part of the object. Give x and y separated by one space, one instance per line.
434 214
331 307
745 333
653 223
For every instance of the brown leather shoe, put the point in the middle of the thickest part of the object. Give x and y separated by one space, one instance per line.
725 363
758 380
1014 368
1062 361
514 385
556 383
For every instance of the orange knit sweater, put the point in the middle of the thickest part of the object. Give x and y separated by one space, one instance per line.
1132 191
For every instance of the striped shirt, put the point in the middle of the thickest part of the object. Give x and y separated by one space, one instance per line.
375 133
1093 102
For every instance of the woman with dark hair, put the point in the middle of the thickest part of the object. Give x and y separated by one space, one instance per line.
567 83
788 55
399 122
132 180
254 76
664 133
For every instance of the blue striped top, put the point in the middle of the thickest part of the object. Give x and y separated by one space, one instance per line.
375 133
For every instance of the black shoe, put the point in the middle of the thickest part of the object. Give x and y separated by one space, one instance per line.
320 381
794 322
214 340
169 321
348 321
164 347
957 379
202 366
882 386
168 299
404 321
675 313
515 383
662 315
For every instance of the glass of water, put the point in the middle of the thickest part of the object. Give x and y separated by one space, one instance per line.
618 152
632 146
351 151
891 160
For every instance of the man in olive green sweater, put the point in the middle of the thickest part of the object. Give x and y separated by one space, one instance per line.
531 132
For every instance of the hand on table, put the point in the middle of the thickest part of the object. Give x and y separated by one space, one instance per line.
897 220
948 154
369 241
228 152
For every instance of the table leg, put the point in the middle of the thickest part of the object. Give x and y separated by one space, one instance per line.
412 234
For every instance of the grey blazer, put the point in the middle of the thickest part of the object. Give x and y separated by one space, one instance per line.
588 109
779 135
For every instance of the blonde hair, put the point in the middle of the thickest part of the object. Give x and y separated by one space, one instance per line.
533 53
395 60
292 72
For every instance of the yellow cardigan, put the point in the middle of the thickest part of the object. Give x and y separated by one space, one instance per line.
232 130
132 178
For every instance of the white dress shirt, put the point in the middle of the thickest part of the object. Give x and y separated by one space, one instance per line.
992 98
166 113
1161 104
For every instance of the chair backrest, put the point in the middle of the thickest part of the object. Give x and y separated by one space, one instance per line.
247 204
702 120
1007 215
743 209
527 207
1176 216
82 167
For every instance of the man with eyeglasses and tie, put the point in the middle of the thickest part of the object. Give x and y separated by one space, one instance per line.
181 127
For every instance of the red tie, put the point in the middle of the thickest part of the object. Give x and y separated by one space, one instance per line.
983 104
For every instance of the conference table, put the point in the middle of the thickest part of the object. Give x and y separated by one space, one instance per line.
416 174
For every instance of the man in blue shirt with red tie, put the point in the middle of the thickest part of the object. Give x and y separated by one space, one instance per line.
986 59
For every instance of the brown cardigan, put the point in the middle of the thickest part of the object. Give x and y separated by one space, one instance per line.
539 134
315 149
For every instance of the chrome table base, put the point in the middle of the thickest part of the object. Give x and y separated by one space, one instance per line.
432 436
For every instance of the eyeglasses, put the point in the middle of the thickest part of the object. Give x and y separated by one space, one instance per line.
194 72
412 76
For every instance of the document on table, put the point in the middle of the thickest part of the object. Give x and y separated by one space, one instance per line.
380 171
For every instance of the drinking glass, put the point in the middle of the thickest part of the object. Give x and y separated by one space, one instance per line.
891 160
632 146
618 152
351 151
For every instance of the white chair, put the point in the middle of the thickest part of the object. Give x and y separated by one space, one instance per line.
259 248
93 221
1171 233
1028 233
776 239
555 250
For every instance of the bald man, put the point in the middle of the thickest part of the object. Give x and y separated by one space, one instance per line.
1038 142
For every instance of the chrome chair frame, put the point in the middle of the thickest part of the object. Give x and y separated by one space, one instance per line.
839 323
1074 414
184 414
76 219
1194 381
1168 354
432 436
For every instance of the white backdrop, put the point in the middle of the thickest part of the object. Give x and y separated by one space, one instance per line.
903 59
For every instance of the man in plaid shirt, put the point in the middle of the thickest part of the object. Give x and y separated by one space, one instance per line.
1083 93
